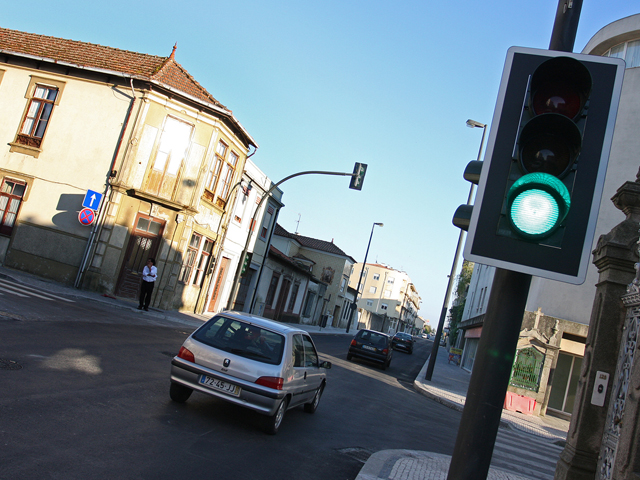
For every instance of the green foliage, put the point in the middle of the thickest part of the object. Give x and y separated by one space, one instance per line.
456 311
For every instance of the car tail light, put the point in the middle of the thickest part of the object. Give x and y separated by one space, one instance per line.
385 351
353 342
271 382
186 355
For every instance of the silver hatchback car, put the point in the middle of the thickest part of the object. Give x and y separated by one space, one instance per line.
253 362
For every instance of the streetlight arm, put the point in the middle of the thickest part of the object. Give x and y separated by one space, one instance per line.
253 219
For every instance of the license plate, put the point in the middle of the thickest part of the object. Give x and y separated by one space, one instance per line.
215 384
367 347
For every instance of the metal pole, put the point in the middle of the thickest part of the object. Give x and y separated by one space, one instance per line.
489 381
454 268
490 376
354 305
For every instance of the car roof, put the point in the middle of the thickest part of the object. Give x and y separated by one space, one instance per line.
261 322
372 331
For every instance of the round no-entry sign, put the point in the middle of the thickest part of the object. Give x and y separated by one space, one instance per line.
86 216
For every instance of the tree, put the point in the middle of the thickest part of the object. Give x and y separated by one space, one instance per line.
460 298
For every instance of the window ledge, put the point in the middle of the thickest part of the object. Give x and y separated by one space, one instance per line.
25 149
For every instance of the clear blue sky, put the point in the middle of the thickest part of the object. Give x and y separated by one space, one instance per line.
321 85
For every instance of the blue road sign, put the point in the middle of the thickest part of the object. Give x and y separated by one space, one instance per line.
86 216
92 200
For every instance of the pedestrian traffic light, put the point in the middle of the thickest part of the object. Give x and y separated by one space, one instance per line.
542 178
357 179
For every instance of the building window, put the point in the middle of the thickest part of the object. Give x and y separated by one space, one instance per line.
343 284
383 306
376 276
11 194
629 52
387 293
294 295
372 289
369 303
390 280
190 258
172 153
196 259
308 305
221 175
266 222
271 293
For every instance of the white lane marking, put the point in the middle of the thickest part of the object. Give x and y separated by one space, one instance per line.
15 289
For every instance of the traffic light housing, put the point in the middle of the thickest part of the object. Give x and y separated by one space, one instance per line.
542 178
357 179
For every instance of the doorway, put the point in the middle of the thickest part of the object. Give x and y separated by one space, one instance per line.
143 243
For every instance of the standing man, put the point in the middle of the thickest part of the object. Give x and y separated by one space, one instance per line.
149 275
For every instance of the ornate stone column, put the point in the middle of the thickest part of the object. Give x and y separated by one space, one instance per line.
615 256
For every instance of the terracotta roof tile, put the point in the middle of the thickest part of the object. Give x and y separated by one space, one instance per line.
164 70
313 243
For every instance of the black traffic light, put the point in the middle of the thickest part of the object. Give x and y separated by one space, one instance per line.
541 182
357 179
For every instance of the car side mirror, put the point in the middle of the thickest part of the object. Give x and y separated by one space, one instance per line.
326 365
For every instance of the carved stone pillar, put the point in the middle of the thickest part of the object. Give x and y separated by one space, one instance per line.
615 256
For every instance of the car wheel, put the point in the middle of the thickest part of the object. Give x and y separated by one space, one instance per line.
179 393
272 424
349 356
313 406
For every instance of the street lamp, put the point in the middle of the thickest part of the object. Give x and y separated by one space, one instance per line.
454 267
354 305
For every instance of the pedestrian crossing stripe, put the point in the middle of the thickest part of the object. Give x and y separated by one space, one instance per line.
23 290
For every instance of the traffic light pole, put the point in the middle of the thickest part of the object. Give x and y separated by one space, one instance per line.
490 377
489 381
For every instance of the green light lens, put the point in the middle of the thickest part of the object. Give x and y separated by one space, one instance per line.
537 204
534 212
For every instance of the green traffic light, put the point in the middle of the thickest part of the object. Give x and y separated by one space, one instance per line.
537 205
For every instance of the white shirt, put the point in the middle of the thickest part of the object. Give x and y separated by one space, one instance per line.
149 274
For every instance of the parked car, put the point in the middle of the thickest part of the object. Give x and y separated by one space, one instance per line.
253 362
402 341
371 345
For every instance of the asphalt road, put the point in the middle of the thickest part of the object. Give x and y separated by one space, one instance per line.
84 394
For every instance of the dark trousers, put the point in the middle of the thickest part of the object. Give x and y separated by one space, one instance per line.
145 293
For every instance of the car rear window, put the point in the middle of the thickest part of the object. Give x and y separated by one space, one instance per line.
373 338
244 339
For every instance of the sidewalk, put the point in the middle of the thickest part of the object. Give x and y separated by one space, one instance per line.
448 386
185 318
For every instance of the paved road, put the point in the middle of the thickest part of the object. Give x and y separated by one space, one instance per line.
85 395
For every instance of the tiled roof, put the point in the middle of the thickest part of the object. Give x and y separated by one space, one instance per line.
313 243
164 70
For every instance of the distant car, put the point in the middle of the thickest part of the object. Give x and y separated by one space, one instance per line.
424 335
266 366
402 341
371 345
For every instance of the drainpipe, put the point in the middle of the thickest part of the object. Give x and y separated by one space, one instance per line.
88 252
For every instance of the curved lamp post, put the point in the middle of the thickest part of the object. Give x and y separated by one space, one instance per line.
354 305
454 267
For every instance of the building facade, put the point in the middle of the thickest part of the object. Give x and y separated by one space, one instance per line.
328 263
137 129
388 300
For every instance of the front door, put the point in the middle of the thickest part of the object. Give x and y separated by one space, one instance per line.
282 298
144 243
222 273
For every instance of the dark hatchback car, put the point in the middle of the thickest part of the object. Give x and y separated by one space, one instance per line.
402 341
371 345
